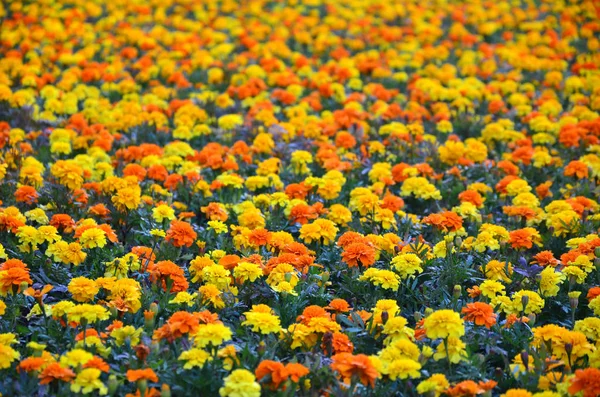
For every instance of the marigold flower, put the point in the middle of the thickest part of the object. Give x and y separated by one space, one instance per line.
349 366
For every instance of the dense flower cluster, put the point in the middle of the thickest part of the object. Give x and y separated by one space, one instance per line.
307 197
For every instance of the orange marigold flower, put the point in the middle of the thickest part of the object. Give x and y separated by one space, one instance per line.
577 168
133 375
296 371
98 363
480 313
181 234
169 272
26 194
311 312
32 364
545 258
523 238
357 254
467 388
592 293
586 381
471 196
55 371
349 365
13 273
274 369
340 343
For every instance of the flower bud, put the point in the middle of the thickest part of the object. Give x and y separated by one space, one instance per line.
417 316
165 390
569 348
457 291
113 385
597 252
325 277
525 359
573 302
142 385
524 301
154 307
532 317
385 316
458 242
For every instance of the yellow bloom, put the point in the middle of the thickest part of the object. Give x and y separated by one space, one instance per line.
443 324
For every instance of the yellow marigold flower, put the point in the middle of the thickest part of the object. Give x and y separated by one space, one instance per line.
87 381
386 279
2 308
128 198
407 265
212 294
420 188
184 297
163 212
496 270
217 275
93 237
456 350
403 368
435 384
218 226
240 382
7 356
83 289
194 358
261 319
550 281
127 332
211 334
88 313
230 121
527 302
246 271
443 324
76 357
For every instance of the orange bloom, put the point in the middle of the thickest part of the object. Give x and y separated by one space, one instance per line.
592 293
98 363
181 234
311 312
63 221
545 258
229 261
338 305
340 343
274 369
543 190
133 375
31 364
466 388
26 194
447 221
296 371
480 313
577 168
521 238
259 237
215 212
471 196
586 380
359 252
167 271
55 371
13 273
349 365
